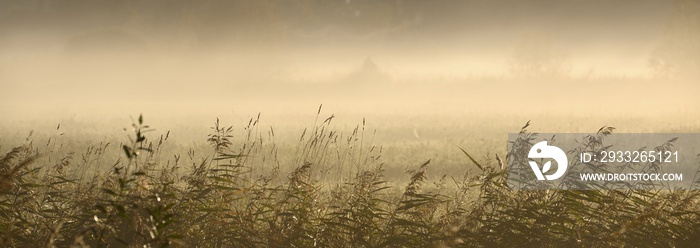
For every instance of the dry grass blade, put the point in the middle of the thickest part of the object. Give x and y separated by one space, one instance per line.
472 159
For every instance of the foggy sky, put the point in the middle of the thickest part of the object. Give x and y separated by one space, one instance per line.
462 37
214 55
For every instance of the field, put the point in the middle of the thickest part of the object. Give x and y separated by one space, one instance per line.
312 123
366 176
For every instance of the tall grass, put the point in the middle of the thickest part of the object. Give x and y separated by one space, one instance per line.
333 195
